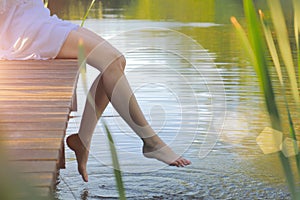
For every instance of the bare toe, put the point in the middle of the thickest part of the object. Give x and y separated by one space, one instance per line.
166 155
181 162
84 174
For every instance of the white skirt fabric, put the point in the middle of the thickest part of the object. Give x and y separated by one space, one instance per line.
27 31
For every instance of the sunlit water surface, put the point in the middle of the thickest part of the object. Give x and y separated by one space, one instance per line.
199 99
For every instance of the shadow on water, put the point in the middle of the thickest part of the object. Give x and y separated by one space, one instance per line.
177 100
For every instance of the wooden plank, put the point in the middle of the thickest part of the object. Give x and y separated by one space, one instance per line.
34 97
32 154
43 179
29 117
35 166
39 63
32 143
33 72
37 82
35 101
38 74
44 192
39 183
17 104
33 134
34 111
19 87
34 126
35 94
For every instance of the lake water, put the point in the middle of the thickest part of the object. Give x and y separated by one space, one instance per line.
198 91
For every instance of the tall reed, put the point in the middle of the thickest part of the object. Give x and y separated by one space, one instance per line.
116 165
87 13
259 44
46 3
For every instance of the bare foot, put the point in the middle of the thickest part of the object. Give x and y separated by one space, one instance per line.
74 143
162 152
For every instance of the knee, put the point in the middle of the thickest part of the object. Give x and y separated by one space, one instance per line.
119 63
123 62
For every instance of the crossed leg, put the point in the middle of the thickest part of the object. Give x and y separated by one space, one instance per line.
111 85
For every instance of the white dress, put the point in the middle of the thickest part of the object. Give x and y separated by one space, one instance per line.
27 31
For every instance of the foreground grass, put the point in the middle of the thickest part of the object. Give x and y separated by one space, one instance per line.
259 44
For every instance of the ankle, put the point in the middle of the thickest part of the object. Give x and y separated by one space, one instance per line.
153 141
75 143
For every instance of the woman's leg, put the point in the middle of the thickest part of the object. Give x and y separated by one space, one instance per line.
80 142
114 86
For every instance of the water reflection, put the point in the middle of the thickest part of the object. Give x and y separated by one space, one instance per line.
215 11
75 9
235 168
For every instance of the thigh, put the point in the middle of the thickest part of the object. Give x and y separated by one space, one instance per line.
91 34
70 47
99 52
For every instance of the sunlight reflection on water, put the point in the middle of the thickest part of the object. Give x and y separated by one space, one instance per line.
229 171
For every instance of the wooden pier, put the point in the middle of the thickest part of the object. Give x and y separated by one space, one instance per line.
36 98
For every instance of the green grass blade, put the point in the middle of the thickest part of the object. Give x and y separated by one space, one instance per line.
298 59
292 131
87 13
275 58
82 69
82 65
81 57
272 48
245 41
116 165
276 62
296 5
296 31
284 45
258 46
289 176
248 48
